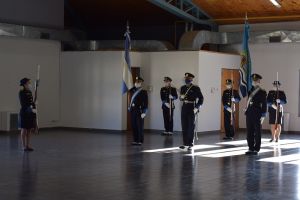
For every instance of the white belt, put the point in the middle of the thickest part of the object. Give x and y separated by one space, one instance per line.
185 101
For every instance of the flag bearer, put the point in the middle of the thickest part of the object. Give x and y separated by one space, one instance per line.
255 114
138 108
168 94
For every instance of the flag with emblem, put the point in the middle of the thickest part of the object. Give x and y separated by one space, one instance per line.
127 76
245 68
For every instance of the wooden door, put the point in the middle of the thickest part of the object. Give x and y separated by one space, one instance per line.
230 74
135 71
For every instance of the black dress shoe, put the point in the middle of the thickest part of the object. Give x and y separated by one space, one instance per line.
249 152
190 148
28 149
134 143
271 140
182 147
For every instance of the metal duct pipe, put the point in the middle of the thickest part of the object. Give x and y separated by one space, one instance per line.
12 30
138 45
194 40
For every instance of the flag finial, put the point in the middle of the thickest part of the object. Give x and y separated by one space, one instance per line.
127 25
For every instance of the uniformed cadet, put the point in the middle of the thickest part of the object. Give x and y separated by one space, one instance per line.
168 94
275 99
138 108
192 99
229 98
27 115
255 113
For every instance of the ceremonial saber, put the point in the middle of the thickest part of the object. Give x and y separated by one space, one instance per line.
232 103
195 127
170 102
277 104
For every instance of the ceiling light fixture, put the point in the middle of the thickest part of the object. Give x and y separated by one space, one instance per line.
275 3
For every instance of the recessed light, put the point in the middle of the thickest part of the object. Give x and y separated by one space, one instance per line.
275 3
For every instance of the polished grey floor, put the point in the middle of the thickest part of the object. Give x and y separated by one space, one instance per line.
82 165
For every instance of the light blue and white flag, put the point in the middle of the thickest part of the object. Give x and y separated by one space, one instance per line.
127 76
245 68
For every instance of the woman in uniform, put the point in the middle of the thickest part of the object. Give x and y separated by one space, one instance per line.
276 98
27 113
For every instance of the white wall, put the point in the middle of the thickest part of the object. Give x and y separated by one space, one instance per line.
45 13
19 59
267 59
210 74
91 89
91 86
206 66
157 65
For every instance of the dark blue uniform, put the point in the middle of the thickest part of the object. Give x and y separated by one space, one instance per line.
226 100
256 109
138 105
191 97
271 99
165 92
27 118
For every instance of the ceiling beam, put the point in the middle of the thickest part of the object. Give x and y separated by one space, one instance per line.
185 9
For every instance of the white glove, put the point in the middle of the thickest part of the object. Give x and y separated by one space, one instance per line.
274 106
182 97
167 105
277 100
233 99
262 120
143 115
34 110
171 97
229 109
196 110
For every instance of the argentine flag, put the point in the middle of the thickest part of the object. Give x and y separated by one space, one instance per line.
127 76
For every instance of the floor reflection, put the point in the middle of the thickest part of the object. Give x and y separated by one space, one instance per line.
189 189
253 179
28 177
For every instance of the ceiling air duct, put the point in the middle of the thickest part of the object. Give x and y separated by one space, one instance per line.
194 40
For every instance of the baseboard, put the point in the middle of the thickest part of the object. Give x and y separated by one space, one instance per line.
153 131
94 130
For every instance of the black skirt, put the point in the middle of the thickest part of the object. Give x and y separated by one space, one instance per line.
27 119
272 116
